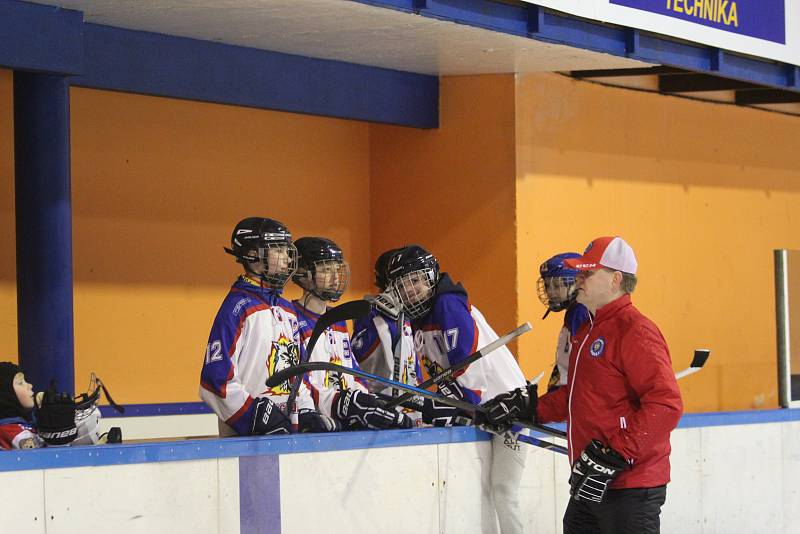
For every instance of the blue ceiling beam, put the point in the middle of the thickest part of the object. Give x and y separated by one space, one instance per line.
162 65
40 38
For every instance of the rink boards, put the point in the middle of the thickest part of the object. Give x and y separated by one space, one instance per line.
731 473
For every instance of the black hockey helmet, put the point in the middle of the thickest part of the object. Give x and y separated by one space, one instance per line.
382 268
251 240
413 274
321 268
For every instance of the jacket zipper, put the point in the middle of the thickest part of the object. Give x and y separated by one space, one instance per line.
571 386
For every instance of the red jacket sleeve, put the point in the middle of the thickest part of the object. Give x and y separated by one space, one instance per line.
552 407
648 369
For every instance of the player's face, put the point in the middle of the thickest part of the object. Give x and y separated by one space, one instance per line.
415 287
278 260
24 391
328 274
596 288
557 290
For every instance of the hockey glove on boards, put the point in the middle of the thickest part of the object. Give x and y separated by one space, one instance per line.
360 411
501 411
55 417
594 470
313 421
268 418
437 414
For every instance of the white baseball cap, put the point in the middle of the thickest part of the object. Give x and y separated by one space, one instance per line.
611 252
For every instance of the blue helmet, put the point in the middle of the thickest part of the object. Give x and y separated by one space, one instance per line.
556 284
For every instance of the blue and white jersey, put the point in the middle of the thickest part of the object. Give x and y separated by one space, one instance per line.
453 330
374 339
255 334
332 346
576 315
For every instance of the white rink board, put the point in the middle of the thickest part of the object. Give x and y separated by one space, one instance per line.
726 479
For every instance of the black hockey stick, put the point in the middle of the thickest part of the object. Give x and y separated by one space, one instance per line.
355 309
698 361
397 351
452 371
303 368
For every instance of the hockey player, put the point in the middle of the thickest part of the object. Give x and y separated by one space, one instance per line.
447 329
556 290
621 401
16 402
255 334
324 275
376 337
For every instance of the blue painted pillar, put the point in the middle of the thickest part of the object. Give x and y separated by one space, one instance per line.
44 229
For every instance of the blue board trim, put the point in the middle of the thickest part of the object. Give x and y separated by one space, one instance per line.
40 38
199 449
147 410
162 65
196 449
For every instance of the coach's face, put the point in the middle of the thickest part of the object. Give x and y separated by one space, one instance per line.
597 288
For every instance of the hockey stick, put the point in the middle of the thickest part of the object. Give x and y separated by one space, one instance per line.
452 371
397 352
698 361
303 368
349 310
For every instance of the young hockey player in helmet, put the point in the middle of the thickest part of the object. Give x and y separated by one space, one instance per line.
377 339
324 276
16 402
556 290
254 335
447 329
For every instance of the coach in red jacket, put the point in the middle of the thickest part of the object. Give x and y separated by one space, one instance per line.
621 402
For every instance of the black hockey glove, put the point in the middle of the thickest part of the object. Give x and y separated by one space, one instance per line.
360 411
594 470
504 409
313 421
55 418
437 414
268 418
450 389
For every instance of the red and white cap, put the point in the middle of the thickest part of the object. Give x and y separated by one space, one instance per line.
611 252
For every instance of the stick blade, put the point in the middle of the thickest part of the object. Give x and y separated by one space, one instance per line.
700 357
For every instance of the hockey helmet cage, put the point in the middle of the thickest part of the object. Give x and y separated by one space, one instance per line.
413 274
321 268
556 284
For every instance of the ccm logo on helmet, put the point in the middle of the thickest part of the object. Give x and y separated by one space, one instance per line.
597 467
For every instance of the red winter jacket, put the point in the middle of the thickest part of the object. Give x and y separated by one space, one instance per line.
621 389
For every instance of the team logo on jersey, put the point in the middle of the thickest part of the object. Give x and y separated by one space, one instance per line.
282 356
333 379
597 347
431 366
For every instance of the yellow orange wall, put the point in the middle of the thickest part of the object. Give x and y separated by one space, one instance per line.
157 186
521 168
702 192
452 190
8 268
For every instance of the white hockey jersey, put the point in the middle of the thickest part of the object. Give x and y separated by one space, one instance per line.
374 339
255 334
453 330
333 346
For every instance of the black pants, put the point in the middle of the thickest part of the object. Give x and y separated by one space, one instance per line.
623 511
